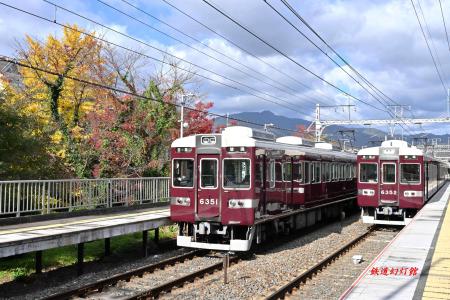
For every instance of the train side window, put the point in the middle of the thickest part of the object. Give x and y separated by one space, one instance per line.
388 173
328 171
298 172
236 173
307 171
324 172
271 172
410 173
312 171
287 171
183 173
368 172
278 172
317 172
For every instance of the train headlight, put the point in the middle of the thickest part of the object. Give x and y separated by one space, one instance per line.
412 194
232 203
184 201
240 203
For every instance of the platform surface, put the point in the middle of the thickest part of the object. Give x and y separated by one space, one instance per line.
28 237
395 273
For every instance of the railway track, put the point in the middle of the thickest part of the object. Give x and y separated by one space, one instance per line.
99 285
295 283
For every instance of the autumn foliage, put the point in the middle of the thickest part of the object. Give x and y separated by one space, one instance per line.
88 130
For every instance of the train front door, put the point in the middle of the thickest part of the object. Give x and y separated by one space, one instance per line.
388 192
208 186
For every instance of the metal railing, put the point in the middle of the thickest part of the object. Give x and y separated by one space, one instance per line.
46 196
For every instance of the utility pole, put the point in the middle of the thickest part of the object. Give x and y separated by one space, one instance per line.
183 102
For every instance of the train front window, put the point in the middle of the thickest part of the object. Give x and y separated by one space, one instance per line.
183 173
236 173
410 173
389 173
368 173
208 177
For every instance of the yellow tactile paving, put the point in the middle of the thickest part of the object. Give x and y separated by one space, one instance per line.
438 281
118 216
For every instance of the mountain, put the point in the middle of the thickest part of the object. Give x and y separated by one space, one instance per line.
364 136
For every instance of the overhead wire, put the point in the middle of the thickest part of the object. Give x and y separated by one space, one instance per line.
321 50
286 89
114 89
428 46
153 58
247 51
181 59
288 57
445 26
190 46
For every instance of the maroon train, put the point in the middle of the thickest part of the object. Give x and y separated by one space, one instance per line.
230 188
395 180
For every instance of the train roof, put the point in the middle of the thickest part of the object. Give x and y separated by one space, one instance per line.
240 136
401 147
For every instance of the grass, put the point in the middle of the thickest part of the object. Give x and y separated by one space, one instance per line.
21 266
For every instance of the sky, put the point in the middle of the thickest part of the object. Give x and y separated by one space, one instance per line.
380 39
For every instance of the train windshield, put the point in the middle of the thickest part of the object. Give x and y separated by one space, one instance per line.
368 172
410 173
388 173
208 169
183 172
236 173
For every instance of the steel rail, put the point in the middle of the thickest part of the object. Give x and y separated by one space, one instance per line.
125 276
281 292
179 282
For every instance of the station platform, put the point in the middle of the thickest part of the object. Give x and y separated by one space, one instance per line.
42 235
416 263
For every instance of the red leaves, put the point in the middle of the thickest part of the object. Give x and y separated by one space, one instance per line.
198 119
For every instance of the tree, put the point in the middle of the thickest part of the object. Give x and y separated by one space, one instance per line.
59 103
198 120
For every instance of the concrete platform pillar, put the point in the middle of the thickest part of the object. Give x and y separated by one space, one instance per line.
156 235
144 242
38 262
107 247
80 259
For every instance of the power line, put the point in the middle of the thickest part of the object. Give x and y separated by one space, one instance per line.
288 57
428 46
181 59
431 40
153 58
188 45
445 26
322 51
246 51
207 46
373 87
102 86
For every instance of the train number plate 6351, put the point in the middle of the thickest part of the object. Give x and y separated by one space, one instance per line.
209 201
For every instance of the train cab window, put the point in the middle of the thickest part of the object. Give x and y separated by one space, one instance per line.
297 172
307 171
258 172
183 173
409 173
208 173
389 173
287 171
368 172
236 173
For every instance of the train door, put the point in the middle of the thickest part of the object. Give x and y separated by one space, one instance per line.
388 193
208 186
287 181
